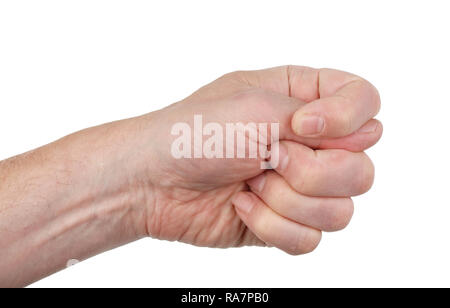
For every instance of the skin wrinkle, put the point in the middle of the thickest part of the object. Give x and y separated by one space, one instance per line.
299 80
153 222
241 235
220 220
212 228
288 76
232 220
142 194
318 83
348 119
356 80
195 237
187 212
203 212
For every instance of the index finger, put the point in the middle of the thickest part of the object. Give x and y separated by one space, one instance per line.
345 103
338 103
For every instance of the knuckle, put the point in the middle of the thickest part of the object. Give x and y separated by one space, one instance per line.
373 93
262 225
299 183
367 175
338 216
255 95
304 180
362 173
340 116
306 243
337 157
377 100
347 116
233 75
276 191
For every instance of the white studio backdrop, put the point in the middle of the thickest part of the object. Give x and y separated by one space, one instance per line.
67 65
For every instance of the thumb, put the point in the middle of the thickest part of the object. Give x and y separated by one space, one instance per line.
263 106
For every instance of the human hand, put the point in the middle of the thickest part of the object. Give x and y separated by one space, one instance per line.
321 161
108 185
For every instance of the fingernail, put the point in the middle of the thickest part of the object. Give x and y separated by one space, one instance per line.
309 125
284 157
279 158
243 202
369 127
257 183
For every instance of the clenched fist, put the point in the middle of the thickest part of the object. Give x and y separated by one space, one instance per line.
179 174
325 122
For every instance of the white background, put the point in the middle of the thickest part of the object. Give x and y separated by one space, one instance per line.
67 65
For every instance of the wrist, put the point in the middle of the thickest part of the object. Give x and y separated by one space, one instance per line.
109 169
72 199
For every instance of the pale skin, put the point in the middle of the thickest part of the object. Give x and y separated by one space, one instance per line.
112 184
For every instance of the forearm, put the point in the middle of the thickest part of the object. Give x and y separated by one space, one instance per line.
70 199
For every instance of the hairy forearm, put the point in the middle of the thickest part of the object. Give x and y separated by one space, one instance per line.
70 199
